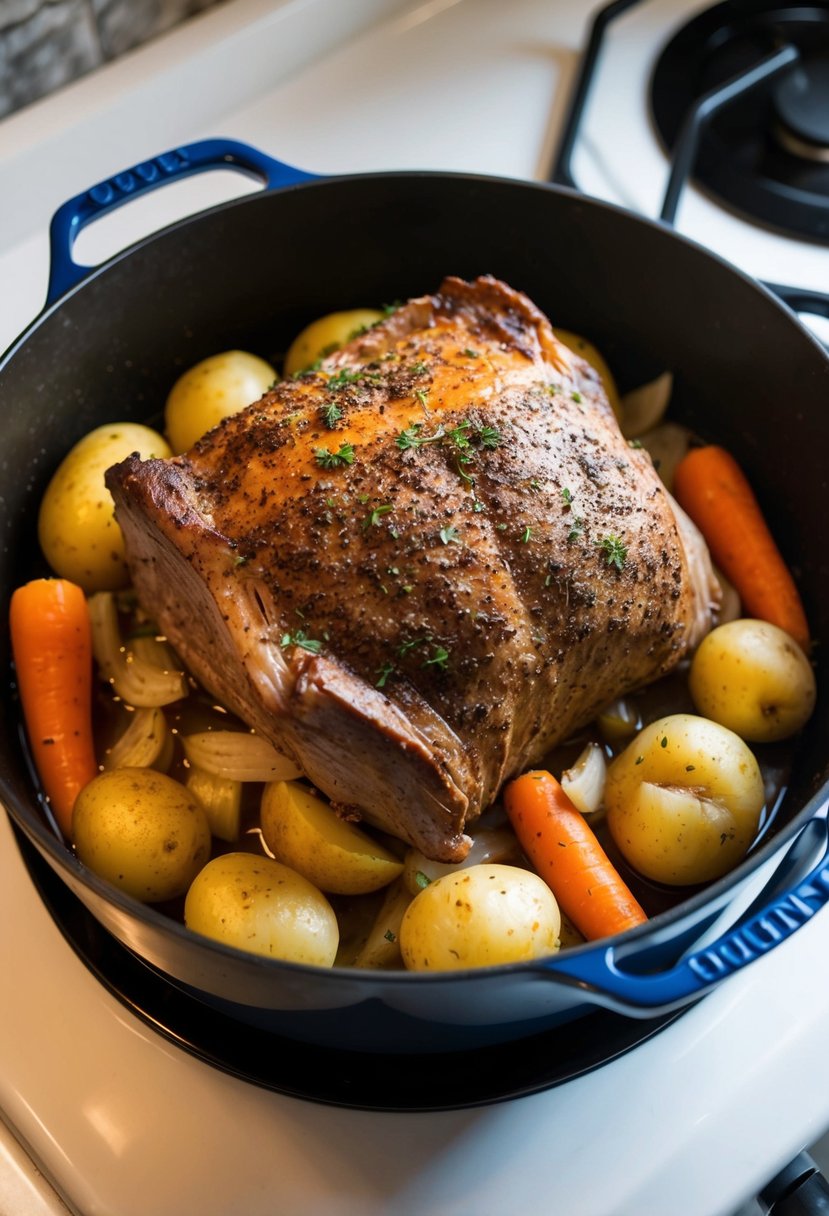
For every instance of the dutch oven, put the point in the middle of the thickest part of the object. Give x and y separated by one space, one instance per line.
249 274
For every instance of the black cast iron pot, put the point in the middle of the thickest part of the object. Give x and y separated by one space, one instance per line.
250 274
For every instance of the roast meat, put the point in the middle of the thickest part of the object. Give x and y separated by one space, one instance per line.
420 565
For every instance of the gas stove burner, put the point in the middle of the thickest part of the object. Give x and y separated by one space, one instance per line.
766 153
801 103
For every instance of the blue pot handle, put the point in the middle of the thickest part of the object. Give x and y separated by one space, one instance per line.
170 166
601 975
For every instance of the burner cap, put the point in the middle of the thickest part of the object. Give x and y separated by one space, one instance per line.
801 102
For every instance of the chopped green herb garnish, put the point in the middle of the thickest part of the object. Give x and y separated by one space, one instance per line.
614 550
438 659
301 639
458 436
390 936
525 535
420 368
334 460
388 309
240 561
422 396
450 535
331 414
640 760
376 515
663 742
635 443
576 397
489 437
567 496
384 672
470 353
576 529
343 377
422 880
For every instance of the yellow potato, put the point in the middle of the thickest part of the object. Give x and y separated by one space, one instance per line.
303 832
327 334
482 916
590 353
211 391
753 678
142 831
684 800
257 904
76 527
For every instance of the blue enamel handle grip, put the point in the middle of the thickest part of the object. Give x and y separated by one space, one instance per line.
601 973
170 166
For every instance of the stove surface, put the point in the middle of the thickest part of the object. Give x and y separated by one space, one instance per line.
120 1119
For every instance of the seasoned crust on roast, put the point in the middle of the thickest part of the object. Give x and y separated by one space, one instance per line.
493 566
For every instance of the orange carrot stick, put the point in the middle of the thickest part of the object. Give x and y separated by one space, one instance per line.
52 647
712 488
567 855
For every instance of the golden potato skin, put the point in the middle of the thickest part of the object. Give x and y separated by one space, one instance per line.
684 800
256 904
76 526
327 334
753 678
303 832
480 917
212 390
141 831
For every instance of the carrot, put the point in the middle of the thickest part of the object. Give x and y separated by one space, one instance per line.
566 854
52 647
712 488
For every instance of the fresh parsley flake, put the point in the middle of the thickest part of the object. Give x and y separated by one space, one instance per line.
639 760
614 550
576 397
567 496
384 672
471 354
663 742
422 397
576 529
450 535
376 515
489 437
420 368
390 935
525 535
422 880
334 460
634 443
301 639
331 414
439 659
343 377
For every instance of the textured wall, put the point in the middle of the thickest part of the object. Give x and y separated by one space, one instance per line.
47 43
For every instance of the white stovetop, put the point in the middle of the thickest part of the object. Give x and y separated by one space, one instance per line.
689 1123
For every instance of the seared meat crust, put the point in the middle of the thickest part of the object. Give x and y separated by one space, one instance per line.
417 592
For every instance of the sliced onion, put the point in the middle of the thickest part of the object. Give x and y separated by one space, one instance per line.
146 743
643 408
666 445
619 722
138 682
493 845
238 756
584 782
381 948
730 607
222 800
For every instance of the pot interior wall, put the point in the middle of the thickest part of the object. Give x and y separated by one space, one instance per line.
251 274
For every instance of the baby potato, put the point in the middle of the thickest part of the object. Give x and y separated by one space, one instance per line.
259 905
593 356
142 831
684 800
76 526
753 678
482 916
304 833
327 334
211 391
